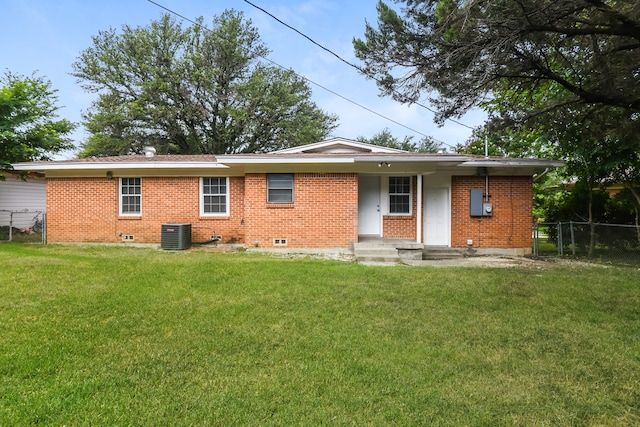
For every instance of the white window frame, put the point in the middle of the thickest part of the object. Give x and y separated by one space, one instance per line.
121 195
280 188
410 195
225 194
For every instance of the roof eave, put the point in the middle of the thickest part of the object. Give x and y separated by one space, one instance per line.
511 163
411 159
292 159
53 166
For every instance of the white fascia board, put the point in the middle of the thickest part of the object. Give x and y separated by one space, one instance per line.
50 166
411 159
233 160
513 163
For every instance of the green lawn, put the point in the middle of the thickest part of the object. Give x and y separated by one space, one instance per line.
112 336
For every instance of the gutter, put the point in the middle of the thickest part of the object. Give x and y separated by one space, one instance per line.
50 166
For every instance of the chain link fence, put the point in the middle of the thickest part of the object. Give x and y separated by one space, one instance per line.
611 243
23 226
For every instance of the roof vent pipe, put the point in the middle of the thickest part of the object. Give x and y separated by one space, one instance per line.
149 151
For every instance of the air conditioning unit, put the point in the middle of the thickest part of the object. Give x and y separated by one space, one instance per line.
175 236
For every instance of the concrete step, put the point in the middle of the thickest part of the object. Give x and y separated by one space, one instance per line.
384 252
389 244
387 252
377 255
442 253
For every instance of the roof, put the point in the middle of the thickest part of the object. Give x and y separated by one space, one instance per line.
336 151
174 161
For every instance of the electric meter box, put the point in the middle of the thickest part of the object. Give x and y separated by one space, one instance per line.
478 206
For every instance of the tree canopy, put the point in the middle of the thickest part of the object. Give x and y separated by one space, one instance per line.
29 130
193 90
384 138
582 52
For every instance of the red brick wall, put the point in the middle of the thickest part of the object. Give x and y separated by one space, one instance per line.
402 226
511 222
81 210
87 210
324 213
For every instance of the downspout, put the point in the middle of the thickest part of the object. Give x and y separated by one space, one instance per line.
486 176
538 177
419 208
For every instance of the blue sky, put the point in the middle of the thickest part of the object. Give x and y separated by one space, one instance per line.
46 37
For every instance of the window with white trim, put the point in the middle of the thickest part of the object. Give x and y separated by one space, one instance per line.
280 188
214 196
399 195
130 196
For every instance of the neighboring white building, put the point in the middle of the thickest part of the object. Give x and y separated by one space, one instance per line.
24 198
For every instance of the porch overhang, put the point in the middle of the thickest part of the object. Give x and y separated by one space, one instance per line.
499 166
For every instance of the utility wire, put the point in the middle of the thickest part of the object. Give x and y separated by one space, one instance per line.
307 79
360 69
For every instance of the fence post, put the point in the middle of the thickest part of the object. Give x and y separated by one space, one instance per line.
573 239
560 244
44 228
535 240
10 225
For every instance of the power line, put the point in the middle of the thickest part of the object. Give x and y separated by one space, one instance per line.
360 69
306 78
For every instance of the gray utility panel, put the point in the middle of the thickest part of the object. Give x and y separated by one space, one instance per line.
478 206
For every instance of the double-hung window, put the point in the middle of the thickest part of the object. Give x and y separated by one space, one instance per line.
131 196
280 188
214 196
400 195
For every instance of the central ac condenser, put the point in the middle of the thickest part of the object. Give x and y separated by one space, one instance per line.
176 236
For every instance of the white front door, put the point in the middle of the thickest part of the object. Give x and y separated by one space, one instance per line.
369 205
436 217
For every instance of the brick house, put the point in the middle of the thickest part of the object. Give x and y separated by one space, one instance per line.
330 194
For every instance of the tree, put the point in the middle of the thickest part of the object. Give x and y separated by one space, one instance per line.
193 91
29 130
587 51
384 138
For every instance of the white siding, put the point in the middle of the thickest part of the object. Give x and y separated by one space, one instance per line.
18 195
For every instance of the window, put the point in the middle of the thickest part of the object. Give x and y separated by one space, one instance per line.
214 196
280 188
130 196
400 195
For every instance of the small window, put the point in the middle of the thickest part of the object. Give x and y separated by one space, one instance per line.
280 188
130 196
399 195
214 196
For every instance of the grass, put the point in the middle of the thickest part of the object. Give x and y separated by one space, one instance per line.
124 336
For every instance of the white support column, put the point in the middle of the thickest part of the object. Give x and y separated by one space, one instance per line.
419 209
